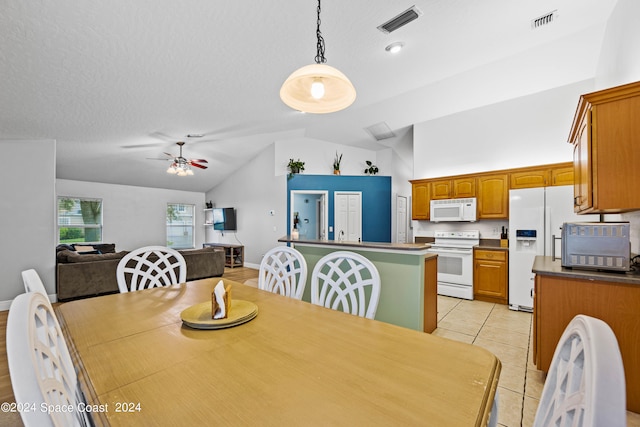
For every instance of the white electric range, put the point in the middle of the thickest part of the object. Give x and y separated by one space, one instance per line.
455 262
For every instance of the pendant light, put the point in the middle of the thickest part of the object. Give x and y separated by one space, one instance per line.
318 88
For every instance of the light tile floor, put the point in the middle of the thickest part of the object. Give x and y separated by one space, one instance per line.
507 334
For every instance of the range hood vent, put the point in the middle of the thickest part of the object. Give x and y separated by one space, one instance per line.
401 20
543 20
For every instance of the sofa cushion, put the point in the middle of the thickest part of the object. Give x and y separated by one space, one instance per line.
73 257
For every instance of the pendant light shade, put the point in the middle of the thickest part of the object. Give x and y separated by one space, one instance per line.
298 90
318 88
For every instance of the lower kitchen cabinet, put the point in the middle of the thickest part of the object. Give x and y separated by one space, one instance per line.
491 275
559 299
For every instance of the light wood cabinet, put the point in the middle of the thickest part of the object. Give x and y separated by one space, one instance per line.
562 176
464 187
606 136
543 176
491 275
490 188
420 200
493 196
559 299
441 189
530 178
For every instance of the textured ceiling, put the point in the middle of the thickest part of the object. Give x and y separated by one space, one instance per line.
117 82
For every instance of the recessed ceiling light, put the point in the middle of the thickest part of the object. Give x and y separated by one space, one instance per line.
394 47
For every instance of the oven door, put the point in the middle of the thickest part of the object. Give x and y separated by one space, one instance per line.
455 271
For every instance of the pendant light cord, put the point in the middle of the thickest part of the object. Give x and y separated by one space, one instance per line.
320 59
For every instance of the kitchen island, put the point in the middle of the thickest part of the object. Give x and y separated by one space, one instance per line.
614 297
408 273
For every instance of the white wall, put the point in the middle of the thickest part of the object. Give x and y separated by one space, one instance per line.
620 64
135 216
526 131
319 155
261 186
253 190
27 215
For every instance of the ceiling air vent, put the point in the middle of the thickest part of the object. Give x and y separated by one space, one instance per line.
401 20
380 131
544 20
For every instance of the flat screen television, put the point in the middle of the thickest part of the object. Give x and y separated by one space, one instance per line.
224 219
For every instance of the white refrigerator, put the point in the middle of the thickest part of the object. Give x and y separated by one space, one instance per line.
536 216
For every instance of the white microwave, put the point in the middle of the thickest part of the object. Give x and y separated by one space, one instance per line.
445 210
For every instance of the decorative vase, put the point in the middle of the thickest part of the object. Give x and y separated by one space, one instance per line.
336 171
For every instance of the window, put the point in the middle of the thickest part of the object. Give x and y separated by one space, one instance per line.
79 220
180 226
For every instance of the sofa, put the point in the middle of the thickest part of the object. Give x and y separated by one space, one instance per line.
90 270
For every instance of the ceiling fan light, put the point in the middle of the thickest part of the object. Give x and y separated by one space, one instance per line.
189 172
171 170
296 91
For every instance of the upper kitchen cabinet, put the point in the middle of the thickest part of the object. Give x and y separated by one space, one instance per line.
542 176
441 189
420 200
493 196
530 178
453 188
464 187
562 175
606 135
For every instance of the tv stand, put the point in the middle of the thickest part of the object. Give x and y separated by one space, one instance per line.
233 254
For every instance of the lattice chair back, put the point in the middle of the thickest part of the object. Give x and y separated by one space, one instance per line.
150 267
585 385
41 370
283 271
346 281
32 282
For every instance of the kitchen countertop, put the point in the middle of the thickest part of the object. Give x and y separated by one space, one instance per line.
544 265
493 244
408 247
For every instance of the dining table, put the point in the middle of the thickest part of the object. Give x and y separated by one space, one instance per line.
142 360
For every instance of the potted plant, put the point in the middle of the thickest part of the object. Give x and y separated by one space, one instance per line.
295 166
336 164
372 169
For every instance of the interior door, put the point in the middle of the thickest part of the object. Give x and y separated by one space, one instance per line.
348 216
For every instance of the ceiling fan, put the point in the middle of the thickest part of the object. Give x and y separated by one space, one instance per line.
181 166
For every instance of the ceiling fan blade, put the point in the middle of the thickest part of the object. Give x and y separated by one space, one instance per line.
155 158
168 155
198 160
197 165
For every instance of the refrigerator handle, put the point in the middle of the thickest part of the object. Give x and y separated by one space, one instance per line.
553 246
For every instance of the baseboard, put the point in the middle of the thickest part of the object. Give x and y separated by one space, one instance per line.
5 305
254 266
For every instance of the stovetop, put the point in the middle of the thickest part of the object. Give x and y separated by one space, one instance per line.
456 239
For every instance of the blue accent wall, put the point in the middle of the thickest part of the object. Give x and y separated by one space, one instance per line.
376 200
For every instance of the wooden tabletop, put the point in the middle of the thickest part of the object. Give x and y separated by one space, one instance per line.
294 364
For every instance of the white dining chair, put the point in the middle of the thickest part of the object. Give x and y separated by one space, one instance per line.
346 281
150 267
585 385
33 283
40 367
283 271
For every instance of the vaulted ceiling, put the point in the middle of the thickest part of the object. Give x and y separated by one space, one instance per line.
118 82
